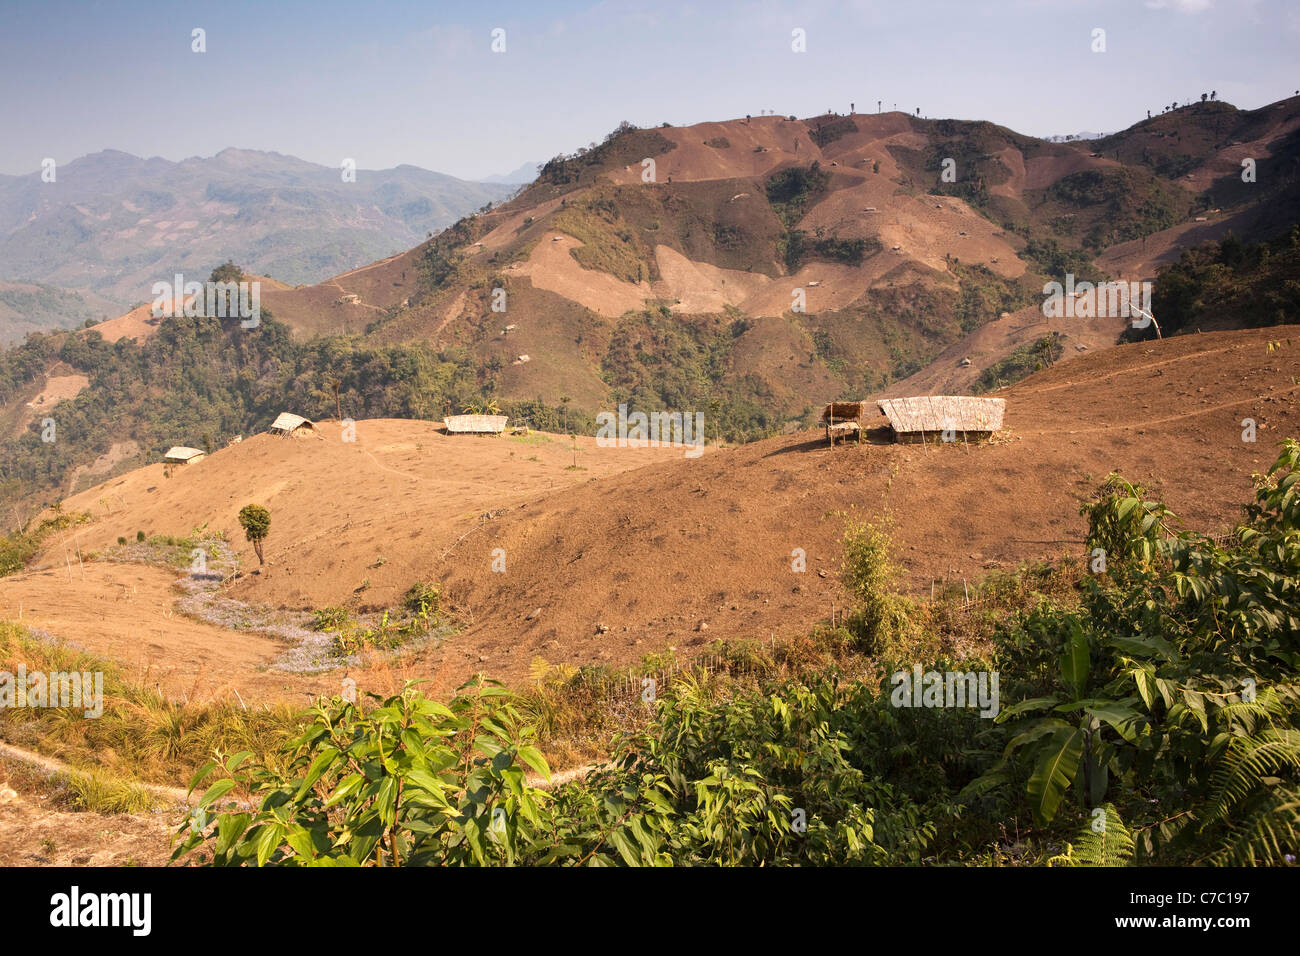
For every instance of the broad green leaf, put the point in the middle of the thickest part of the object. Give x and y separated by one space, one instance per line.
237 760
230 827
1144 647
1033 703
1074 662
1055 771
533 757
346 788
320 763
1122 718
216 792
201 774
267 841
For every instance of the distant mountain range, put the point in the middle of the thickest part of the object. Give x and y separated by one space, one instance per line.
113 224
34 307
519 177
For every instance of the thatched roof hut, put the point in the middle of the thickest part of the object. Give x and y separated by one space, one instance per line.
475 424
843 420
912 419
182 455
844 411
287 423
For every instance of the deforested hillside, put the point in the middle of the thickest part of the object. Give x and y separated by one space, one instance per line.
612 553
784 259
750 269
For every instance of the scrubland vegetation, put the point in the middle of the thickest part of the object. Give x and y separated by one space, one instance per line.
141 735
1257 283
1148 715
18 547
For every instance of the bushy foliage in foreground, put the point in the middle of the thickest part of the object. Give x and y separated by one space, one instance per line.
1153 721
792 778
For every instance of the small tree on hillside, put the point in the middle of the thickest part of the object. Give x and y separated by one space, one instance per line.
227 272
256 522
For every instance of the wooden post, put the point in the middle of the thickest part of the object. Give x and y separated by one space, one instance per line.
66 557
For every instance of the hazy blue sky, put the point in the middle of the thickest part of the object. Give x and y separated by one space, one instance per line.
416 82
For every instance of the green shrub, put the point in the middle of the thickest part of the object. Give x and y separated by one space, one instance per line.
792 190
886 623
18 548
412 782
1023 361
1170 698
256 522
331 618
422 599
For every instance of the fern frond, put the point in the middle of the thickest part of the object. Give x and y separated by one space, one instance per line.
1245 765
1265 836
1250 716
1103 841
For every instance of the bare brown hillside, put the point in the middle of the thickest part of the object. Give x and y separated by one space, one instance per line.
645 548
592 243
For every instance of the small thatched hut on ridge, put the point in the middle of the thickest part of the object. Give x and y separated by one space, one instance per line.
181 455
914 419
843 419
289 424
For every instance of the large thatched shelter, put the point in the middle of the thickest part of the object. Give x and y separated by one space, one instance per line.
928 417
475 424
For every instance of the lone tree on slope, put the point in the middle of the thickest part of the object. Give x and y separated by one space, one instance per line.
256 522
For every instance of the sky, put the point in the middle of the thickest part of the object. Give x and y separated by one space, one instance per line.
386 83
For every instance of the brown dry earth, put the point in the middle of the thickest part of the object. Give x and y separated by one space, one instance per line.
993 340
124 612
35 830
385 511
659 549
919 230
655 553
